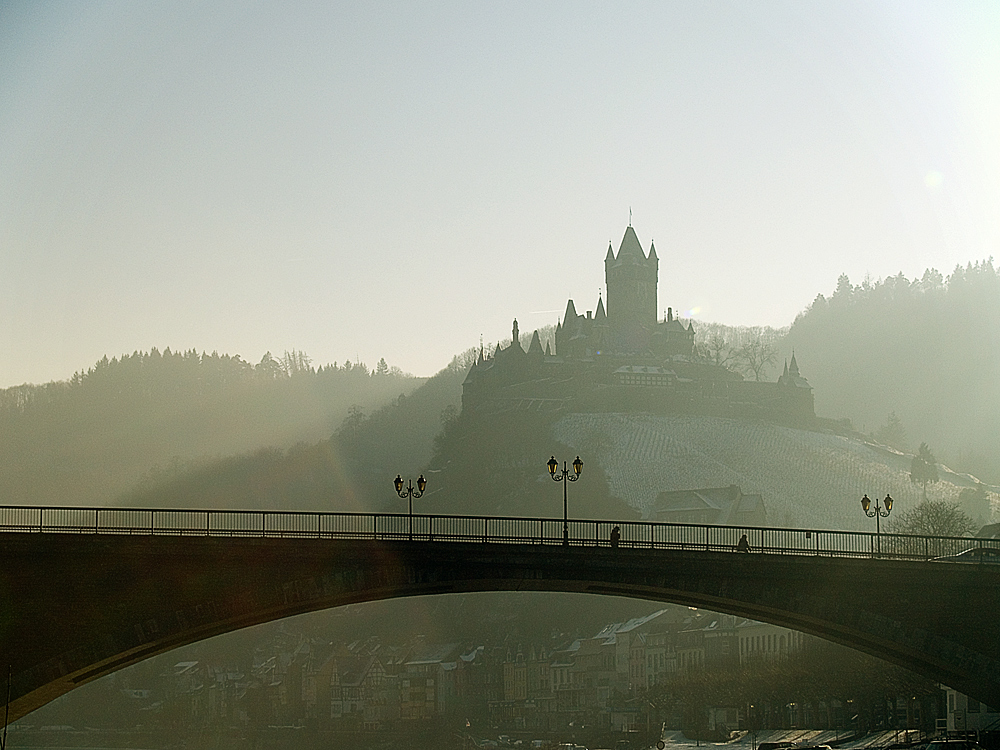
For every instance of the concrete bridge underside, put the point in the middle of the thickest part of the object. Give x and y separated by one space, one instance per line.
74 608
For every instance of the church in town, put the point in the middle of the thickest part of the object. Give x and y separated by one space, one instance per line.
624 357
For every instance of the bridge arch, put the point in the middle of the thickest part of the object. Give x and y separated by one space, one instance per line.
119 599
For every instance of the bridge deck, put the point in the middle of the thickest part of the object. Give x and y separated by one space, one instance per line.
493 529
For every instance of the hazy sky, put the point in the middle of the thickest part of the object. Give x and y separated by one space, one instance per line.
396 179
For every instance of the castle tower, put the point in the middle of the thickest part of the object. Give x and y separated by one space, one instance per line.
630 278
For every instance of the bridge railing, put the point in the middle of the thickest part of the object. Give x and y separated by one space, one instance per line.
488 529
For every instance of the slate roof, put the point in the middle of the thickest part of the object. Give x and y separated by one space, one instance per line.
725 502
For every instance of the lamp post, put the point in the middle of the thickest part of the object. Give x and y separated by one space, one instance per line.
565 477
409 493
878 513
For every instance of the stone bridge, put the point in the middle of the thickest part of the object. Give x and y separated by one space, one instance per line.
85 592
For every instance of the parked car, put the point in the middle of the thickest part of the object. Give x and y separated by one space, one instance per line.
957 744
989 555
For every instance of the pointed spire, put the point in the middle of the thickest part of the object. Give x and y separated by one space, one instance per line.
793 366
515 336
570 313
690 326
601 313
630 248
535 347
785 375
611 254
548 349
652 251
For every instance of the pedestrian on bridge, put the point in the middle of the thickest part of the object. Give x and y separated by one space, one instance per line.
743 545
616 535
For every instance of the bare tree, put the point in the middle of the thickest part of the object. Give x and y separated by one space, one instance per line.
756 353
718 350
935 518
295 362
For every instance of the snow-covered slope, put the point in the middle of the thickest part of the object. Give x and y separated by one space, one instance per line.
807 479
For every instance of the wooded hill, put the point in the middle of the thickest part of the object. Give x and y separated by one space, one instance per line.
350 470
925 349
150 416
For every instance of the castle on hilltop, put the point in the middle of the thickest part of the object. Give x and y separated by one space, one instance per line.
624 358
629 326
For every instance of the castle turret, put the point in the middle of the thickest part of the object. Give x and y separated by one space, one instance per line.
631 282
535 352
569 317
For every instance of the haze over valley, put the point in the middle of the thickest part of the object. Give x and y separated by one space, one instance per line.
268 258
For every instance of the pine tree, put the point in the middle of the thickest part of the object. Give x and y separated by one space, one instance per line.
923 468
892 432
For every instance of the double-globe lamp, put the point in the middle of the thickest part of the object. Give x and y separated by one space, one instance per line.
410 493
878 514
565 477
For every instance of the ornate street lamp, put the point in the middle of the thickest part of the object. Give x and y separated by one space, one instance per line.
409 493
878 514
565 477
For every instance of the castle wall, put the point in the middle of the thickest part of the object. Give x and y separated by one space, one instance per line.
588 387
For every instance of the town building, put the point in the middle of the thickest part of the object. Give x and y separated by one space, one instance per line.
724 506
763 641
